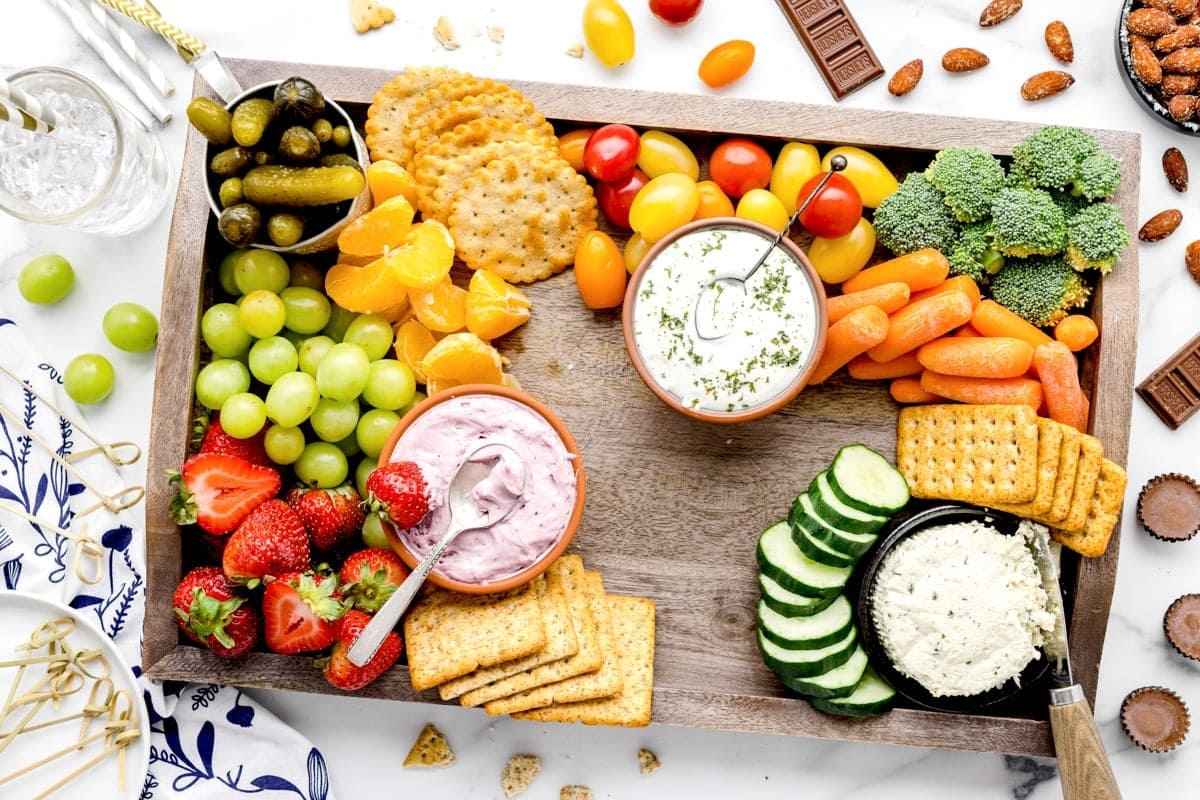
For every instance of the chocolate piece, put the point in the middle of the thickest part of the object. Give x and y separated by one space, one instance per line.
1181 623
1155 718
1169 507
834 42
1173 390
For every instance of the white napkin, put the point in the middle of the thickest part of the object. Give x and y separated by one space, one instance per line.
206 741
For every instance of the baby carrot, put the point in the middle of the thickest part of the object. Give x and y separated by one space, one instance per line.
921 322
850 336
1058 371
993 319
908 390
1076 331
984 391
965 332
920 270
962 282
888 296
864 368
977 357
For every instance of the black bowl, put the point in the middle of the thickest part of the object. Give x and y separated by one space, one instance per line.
916 518
1146 96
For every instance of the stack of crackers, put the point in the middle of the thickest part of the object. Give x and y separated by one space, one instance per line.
559 649
486 164
1008 458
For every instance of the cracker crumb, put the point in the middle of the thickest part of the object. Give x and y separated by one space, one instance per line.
430 749
647 761
575 792
575 51
519 773
495 33
368 14
443 31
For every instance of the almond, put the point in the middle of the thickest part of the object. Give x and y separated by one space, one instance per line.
1058 41
997 11
1161 225
963 59
1183 36
1191 259
907 78
1175 168
1174 84
1046 84
1183 8
1161 5
1185 60
1182 107
1145 65
1150 22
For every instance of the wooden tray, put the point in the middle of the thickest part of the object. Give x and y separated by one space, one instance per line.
674 505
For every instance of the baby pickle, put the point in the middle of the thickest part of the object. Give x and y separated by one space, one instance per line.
230 193
341 136
250 120
211 119
323 130
299 144
230 162
285 229
340 160
302 186
239 224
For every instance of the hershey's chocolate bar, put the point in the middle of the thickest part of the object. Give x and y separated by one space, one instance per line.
1173 390
835 43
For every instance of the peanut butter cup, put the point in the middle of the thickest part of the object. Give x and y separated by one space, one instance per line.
1155 718
1168 507
1181 623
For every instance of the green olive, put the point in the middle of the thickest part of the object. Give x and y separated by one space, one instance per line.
230 193
323 130
285 229
341 136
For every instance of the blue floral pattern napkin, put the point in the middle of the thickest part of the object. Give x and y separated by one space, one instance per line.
206 741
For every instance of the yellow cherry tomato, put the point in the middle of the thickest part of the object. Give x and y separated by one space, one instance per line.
635 250
608 32
662 153
713 201
600 271
795 164
762 206
840 259
726 62
869 175
663 204
570 146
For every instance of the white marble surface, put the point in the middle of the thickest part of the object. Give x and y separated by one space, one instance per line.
364 740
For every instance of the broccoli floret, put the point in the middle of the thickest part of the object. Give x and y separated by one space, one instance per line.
1041 290
1026 222
1070 204
914 217
974 255
1095 237
968 178
1098 178
1049 158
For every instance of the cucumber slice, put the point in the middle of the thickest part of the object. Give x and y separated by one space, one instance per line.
789 603
789 664
780 559
843 515
837 682
807 633
817 550
804 514
864 479
872 695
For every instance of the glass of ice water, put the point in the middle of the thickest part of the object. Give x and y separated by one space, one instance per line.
100 170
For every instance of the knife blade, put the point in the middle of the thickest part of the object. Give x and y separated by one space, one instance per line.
1037 538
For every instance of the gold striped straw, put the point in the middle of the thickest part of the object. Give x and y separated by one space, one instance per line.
28 111
189 46
129 46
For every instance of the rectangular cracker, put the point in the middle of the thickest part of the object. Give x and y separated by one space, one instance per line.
447 634
1091 459
1050 440
1102 516
602 681
1064 483
633 625
982 454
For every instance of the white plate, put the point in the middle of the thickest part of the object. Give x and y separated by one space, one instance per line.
22 614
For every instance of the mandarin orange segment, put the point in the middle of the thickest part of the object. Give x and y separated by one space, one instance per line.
434 385
382 228
387 179
494 306
413 341
424 259
364 289
397 313
443 308
463 358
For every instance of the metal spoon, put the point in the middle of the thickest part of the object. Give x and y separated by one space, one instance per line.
466 514
705 315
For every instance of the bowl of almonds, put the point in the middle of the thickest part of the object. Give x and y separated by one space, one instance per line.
1158 47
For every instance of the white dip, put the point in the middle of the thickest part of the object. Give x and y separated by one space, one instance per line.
771 334
960 608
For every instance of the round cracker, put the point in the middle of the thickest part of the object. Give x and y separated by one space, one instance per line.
434 99
389 108
445 171
508 104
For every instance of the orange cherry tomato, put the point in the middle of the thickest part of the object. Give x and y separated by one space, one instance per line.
726 62
713 201
570 147
600 272
739 165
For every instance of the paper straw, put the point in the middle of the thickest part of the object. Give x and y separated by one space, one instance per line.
131 48
96 39
21 118
189 46
27 108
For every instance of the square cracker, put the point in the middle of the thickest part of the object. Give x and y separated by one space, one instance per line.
1050 440
982 454
601 680
1103 513
1064 483
448 634
1091 459
633 625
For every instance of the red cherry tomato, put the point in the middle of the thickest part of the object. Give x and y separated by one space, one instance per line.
611 152
726 62
834 211
675 12
615 197
739 165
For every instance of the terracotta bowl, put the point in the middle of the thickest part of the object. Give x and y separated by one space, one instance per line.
547 557
803 371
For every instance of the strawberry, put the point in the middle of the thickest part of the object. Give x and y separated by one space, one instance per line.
397 492
345 676
272 541
212 611
370 576
214 439
299 612
219 491
330 515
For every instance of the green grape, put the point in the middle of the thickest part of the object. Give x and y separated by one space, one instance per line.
292 398
219 380
307 310
46 280
349 447
223 332
243 415
296 339
365 467
88 378
339 320
306 273
131 327
284 444
272 358
373 430
322 464
417 398
225 272
390 384
312 350
343 372
372 333
373 533
334 420
261 269
262 313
